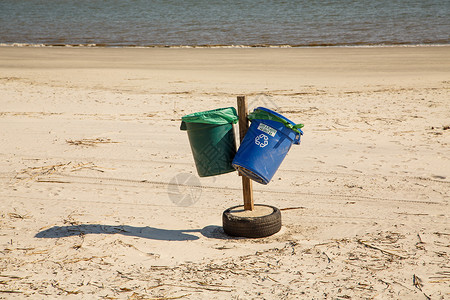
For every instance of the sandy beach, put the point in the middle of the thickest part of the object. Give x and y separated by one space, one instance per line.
92 157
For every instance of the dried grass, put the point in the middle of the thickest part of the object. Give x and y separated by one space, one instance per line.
18 216
90 142
33 173
10 292
390 252
134 247
75 260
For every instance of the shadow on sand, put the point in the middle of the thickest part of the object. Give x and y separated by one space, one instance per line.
214 232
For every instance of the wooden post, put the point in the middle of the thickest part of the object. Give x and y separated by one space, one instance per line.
243 127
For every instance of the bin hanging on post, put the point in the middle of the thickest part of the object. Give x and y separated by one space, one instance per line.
212 139
250 220
266 144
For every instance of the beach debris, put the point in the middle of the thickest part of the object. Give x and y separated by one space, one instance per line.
292 208
417 282
44 251
442 277
441 233
18 216
444 127
37 114
205 287
33 173
10 292
136 296
20 249
76 260
80 244
420 245
70 219
56 286
91 142
10 78
10 276
439 130
134 247
263 268
390 252
88 165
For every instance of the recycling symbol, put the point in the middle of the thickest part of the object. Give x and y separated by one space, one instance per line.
262 140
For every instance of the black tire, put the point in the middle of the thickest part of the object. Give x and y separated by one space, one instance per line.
251 227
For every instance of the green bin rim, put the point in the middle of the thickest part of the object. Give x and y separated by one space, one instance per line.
219 116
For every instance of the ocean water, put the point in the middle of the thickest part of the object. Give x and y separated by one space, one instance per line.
119 23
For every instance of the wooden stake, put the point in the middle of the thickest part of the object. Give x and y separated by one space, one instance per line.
243 127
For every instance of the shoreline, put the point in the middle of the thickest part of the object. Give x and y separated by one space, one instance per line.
257 46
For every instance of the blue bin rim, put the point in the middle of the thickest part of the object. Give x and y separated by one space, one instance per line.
275 113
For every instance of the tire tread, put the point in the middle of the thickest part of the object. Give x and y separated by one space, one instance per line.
252 227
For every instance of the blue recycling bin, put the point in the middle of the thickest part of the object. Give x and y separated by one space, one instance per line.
266 144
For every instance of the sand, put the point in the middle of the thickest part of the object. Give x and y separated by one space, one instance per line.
100 198
256 212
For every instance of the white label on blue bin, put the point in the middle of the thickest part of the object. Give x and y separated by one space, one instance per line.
267 129
262 140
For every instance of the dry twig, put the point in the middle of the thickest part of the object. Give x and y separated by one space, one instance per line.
75 260
17 216
90 142
291 208
380 249
11 291
417 282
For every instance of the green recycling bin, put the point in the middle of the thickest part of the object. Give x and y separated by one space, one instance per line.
212 139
